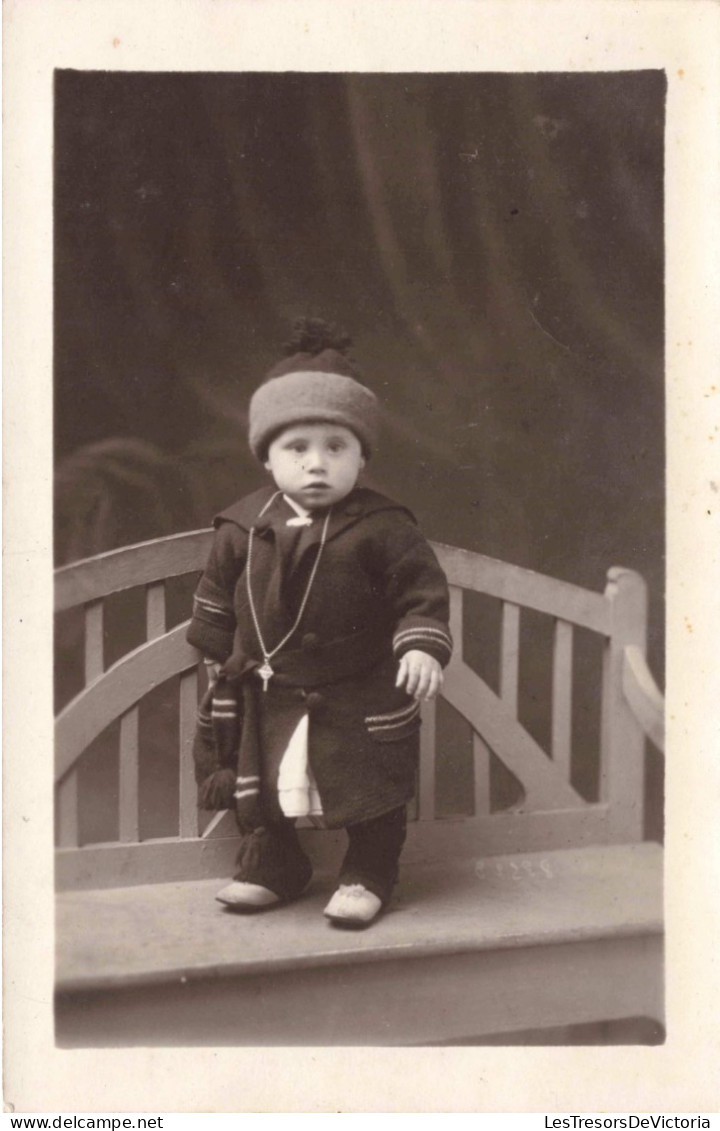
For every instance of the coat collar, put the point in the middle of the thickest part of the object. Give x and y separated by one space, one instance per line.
360 503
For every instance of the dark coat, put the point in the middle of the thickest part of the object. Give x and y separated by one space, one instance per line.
378 592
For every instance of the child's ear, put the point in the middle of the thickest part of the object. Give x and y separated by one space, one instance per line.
362 462
267 465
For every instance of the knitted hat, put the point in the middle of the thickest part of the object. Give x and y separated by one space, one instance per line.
316 382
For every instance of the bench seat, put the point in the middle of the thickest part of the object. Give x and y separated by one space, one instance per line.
468 947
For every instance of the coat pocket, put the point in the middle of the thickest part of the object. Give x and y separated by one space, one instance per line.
393 726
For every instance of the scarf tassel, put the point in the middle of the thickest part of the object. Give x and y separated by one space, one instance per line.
217 789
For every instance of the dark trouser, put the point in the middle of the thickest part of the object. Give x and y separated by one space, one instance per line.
374 852
272 856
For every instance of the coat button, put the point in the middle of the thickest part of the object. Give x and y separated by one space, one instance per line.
314 700
310 640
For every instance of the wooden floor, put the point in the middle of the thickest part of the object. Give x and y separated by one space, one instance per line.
495 943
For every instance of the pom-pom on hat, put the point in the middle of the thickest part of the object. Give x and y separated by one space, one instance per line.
316 381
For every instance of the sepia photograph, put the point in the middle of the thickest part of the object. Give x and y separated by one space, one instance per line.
360 557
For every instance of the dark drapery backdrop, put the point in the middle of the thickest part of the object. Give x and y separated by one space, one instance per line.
493 242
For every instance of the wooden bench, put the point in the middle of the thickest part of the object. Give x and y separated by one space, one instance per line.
533 913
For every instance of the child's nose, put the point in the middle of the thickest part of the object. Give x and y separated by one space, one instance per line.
316 460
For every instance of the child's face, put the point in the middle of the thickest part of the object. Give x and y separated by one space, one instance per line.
315 464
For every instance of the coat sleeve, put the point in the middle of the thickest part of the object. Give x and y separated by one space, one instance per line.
213 621
417 590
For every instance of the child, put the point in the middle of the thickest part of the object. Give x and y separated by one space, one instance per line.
323 617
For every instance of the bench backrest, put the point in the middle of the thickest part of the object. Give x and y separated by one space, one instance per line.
549 811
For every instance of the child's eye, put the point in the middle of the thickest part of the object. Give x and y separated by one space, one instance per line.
336 445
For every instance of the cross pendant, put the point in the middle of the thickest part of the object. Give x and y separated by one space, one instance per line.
265 673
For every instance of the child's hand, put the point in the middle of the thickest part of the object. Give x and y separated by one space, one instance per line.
420 674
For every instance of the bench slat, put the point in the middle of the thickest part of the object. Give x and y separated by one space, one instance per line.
130 566
510 656
562 696
67 813
428 743
171 859
94 648
188 815
121 687
481 773
129 777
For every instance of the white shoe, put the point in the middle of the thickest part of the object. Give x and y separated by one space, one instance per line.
353 906
243 896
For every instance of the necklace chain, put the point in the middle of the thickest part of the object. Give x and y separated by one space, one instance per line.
266 671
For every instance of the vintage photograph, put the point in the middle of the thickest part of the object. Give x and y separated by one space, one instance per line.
359 535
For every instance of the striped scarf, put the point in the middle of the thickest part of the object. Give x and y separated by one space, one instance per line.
225 751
